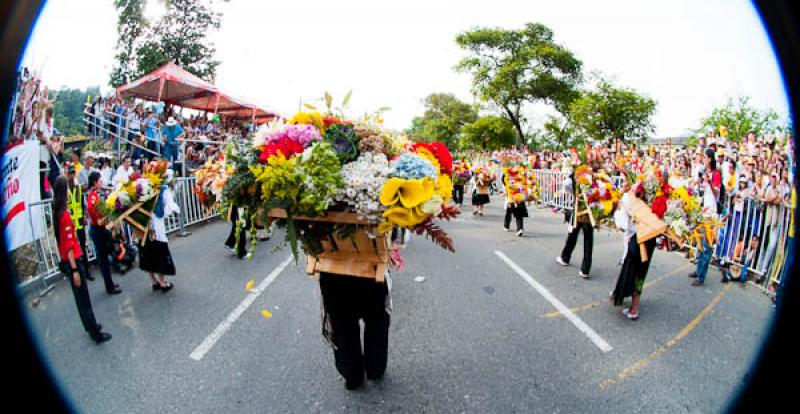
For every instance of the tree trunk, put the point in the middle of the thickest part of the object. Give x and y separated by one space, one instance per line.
515 120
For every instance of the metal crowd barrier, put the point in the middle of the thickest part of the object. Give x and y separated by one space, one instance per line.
744 222
46 247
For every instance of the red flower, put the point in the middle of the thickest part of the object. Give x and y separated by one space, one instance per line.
285 146
659 206
329 120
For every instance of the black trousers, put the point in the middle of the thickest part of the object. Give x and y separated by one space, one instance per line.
81 233
507 220
348 299
101 238
458 194
241 246
83 302
588 243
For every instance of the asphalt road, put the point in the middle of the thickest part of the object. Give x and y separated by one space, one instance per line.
474 336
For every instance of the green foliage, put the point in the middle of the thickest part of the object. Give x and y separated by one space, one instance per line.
131 26
489 133
610 112
513 67
562 133
68 109
180 36
344 141
740 118
443 120
319 166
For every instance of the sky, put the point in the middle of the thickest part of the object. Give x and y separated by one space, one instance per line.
689 56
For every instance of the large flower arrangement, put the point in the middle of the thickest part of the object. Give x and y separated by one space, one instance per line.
461 172
142 189
520 184
599 192
315 164
483 175
210 181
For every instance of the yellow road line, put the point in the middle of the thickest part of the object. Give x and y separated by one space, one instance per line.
627 372
584 308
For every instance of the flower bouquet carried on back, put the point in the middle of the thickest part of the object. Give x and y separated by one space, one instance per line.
134 201
339 187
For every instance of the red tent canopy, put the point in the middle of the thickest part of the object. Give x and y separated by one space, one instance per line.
176 86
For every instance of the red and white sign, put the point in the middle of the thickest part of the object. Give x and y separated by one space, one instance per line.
20 175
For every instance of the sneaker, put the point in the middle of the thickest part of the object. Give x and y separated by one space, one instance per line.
583 275
506 228
519 233
229 249
693 275
561 261
630 315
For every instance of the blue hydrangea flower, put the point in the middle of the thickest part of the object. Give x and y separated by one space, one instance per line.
412 167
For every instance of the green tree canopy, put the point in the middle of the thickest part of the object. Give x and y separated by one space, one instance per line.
515 67
739 117
562 133
68 109
444 117
131 27
610 112
180 36
489 133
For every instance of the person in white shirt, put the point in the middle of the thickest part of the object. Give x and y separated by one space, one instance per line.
154 256
634 271
124 171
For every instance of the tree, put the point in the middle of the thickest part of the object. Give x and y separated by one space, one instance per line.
515 67
740 118
68 109
611 112
180 36
444 117
562 132
131 26
489 133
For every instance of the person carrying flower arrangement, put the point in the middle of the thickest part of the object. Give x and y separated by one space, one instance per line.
581 223
480 193
100 236
154 255
630 282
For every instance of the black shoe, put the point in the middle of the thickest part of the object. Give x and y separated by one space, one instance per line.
167 287
102 337
99 327
377 377
156 287
115 291
352 385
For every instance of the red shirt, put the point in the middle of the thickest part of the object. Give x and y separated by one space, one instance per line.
92 200
67 241
716 179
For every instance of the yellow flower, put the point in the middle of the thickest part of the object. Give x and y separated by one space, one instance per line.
445 188
410 193
424 153
404 217
608 205
300 118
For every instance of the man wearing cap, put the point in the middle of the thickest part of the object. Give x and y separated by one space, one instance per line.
76 208
172 132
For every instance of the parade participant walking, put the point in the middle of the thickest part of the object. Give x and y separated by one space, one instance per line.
123 173
519 211
154 255
76 209
346 300
480 193
71 265
634 271
579 224
705 251
99 234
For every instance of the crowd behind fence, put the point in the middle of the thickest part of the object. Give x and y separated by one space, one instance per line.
754 236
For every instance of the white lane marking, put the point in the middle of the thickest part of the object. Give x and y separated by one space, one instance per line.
580 324
223 327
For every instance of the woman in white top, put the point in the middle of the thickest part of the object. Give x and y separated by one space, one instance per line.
154 255
634 271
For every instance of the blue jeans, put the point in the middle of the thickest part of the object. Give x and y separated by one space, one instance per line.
171 152
703 259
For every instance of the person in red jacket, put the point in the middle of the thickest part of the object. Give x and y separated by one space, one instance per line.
101 237
70 252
